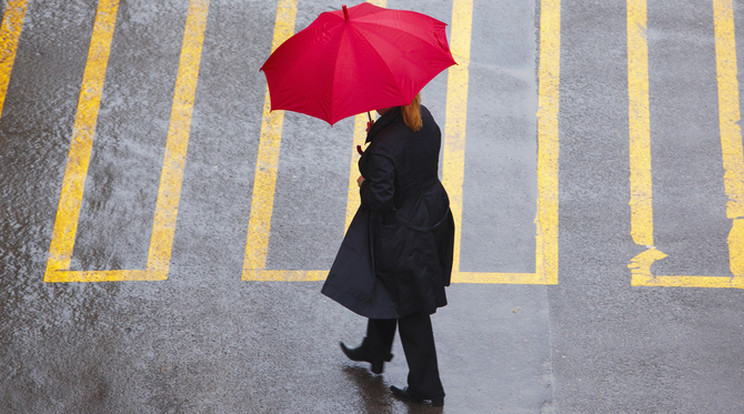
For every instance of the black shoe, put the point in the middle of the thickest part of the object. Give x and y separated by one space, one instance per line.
404 394
361 354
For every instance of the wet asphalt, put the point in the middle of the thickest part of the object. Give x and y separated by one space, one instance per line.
205 341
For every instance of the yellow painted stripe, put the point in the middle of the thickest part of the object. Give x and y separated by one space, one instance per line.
171 177
10 32
641 207
353 201
68 210
99 276
729 117
639 134
694 282
264 182
166 209
453 166
736 248
285 275
546 256
360 134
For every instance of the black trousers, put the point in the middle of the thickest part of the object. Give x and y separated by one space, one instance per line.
418 344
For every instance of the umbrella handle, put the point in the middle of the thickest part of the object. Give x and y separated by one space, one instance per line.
369 116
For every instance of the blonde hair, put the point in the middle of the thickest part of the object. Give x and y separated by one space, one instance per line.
412 114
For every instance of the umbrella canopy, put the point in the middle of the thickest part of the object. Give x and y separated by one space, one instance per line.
355 60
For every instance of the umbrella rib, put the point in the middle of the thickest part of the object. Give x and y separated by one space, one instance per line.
398 29
333 85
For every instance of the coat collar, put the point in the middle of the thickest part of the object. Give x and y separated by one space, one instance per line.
390 116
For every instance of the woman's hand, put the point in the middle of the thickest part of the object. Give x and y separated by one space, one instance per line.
360 180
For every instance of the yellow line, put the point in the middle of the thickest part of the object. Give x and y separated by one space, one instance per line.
453 166
639 133
171 177
68 210
166 209
641 209
99 276
353 201
546 256
694 282
729 117
264 183
285 275
10 32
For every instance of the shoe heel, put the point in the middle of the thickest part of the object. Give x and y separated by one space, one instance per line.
377 367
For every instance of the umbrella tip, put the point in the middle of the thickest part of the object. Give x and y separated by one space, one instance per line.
346 12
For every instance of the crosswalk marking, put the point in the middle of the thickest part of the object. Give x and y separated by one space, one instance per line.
546 220
259 223
256 251
267 162
642 232
640 154
166 211
70 200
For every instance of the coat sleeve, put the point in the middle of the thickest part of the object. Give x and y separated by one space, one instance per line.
378 187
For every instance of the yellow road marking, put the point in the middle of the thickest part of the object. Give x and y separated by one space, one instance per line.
548 143
453 158
166 211
640 160
353 200
641 214
453 149
68 210
729 117
10 32
546 238
264 182
169 191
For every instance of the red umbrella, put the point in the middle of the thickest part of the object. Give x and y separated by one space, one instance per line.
355 60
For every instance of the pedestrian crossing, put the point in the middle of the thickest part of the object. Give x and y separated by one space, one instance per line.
453 160
641 197
455 133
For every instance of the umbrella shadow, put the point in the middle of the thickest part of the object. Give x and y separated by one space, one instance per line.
376 395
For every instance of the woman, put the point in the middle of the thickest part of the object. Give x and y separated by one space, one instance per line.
411 234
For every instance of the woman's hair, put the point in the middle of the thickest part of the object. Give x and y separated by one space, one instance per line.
412 114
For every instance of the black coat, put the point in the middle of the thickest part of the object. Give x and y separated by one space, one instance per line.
407 245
